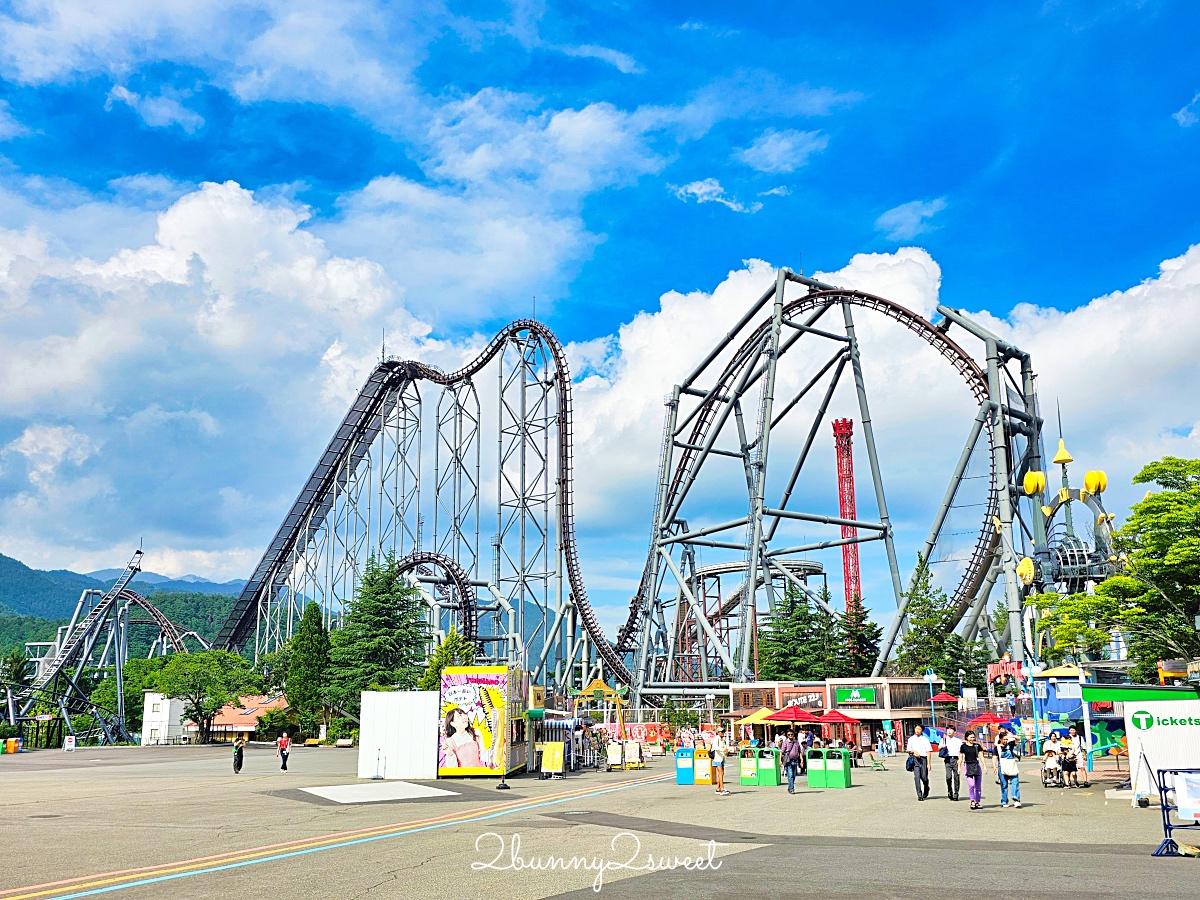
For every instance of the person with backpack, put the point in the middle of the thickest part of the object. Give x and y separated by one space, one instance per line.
719 748
949 752
1008 754
791 753
239 751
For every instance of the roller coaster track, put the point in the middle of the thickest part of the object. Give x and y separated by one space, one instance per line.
77 641
820 301
351 443
362 423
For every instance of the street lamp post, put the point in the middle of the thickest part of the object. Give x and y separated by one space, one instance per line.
929 676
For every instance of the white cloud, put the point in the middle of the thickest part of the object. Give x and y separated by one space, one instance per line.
623 62
781 191
906 221
1187 115
9 126
782 151
161 111
709 190
46 447
500 138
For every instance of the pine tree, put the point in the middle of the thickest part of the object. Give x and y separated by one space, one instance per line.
308 667
780 643
863 638
929 615
801 643
824 643
383 639
455 650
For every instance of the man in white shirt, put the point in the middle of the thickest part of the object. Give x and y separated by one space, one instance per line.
952 744
919 750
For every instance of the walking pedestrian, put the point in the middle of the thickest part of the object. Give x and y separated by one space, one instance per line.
1008 753
239 749
284 744
919 750
1074 755
969 761
719 748
951 746
790 751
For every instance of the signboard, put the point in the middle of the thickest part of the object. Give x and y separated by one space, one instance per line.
646 732
1187 796
69 743
43 717
471 735
1193 671
1161 735
854 695
552 757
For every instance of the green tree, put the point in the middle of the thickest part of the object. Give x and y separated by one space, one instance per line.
801 642
16 669
308 668
383 639
137 676
272 668
678 715
1155 597
863 638
931 642
455 650
930 617
205 682
969 657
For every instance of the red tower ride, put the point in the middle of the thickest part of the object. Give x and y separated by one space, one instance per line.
843 433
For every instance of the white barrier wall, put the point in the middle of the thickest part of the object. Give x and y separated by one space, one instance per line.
1167 734
398 734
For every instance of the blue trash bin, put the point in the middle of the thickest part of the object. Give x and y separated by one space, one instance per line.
685 772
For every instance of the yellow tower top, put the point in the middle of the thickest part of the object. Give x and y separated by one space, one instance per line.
1062 457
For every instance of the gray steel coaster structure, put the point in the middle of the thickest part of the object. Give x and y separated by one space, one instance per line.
96 637
685 632
731 395
366 493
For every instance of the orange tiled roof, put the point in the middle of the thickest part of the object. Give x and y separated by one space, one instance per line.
231 718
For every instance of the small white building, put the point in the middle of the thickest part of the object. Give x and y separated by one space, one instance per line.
162 720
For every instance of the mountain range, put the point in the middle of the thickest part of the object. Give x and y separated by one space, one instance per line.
53 594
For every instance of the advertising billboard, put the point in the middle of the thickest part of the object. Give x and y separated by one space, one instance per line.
481 722
854 695
472 722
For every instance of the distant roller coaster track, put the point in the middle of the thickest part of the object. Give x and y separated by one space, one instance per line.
962 362
363 422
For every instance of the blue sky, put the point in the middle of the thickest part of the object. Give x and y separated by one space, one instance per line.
440 166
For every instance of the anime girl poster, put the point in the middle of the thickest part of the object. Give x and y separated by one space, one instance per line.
471 733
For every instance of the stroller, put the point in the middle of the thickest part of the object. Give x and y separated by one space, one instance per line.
1052 773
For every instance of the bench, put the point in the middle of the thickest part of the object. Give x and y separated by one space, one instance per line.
312 742
343 742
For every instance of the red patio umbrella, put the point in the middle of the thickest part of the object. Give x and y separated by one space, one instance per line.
987 718
793 714
836 717
943 697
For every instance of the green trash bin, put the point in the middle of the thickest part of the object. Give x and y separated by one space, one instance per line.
747 766
815 758
837 768
768 767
